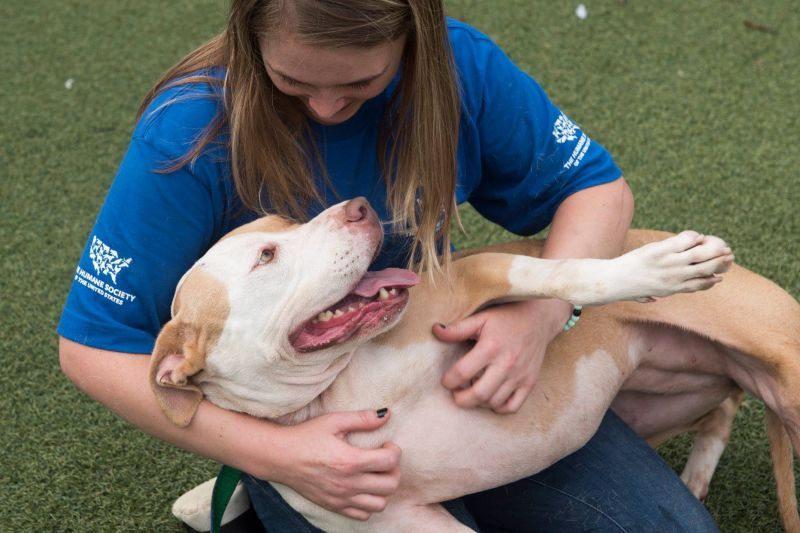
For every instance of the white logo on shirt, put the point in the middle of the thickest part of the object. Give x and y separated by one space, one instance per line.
580 150
564 129
106 260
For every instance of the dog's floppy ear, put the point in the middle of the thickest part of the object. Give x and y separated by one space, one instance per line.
179 354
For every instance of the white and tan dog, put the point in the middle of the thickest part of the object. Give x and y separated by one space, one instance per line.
283 321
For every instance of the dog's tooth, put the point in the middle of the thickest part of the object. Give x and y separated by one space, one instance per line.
325 316
382 294
338 313
393 291
350 309
360 305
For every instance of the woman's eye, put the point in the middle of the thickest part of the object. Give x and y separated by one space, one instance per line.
290 81
266 257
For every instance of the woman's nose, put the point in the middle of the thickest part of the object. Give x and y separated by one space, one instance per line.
326 107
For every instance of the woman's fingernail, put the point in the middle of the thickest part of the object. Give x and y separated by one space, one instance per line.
441 325
382 412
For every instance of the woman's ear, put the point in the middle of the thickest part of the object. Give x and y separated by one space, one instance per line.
178 355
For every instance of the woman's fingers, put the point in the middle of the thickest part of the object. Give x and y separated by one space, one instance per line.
463 330
381 459
384 484
482 391
516 400
372 494
503 394
357 514
470 365
352 421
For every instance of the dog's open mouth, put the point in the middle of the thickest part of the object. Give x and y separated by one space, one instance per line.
376 300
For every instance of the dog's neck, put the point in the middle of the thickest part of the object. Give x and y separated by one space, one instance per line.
274 390
307 390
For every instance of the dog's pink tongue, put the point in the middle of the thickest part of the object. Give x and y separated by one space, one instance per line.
372 282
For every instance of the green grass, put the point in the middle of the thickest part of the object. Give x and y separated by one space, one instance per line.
700 112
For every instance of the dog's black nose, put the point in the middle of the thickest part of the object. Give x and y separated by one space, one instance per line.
356 209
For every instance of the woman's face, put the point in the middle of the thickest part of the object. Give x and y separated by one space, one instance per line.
331 82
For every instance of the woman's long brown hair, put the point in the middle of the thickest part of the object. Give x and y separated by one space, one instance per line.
272 149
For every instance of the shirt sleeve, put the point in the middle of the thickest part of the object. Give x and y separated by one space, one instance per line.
532 155
151 228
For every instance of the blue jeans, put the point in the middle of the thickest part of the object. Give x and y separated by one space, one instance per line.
614 483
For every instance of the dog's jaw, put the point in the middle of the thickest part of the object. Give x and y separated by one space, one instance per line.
360 315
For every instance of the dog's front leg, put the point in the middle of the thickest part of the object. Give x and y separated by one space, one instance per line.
686 262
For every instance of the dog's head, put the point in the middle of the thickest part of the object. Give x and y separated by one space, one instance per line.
268 317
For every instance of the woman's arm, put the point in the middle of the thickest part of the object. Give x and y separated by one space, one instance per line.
512 338
591 222
313 458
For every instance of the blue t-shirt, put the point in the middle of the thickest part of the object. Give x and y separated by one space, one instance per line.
518 156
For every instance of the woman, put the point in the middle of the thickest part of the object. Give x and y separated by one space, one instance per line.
301 103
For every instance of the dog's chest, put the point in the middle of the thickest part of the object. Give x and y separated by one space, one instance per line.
380 375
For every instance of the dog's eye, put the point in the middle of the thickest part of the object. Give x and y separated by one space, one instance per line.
266 257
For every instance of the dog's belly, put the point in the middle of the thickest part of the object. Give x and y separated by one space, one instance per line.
478 449
659 378
679 377
449 451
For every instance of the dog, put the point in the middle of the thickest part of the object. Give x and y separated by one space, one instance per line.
283 321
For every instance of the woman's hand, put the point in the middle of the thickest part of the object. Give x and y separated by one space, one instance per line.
500 371
322 466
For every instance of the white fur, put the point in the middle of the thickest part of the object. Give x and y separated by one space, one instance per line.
193 507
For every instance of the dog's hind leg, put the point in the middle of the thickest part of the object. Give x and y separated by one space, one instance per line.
713 431
756 324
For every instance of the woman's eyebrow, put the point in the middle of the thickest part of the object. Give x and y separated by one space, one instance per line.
354 82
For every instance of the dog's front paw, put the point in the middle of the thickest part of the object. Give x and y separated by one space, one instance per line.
686 262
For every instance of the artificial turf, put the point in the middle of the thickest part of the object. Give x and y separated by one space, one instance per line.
699 109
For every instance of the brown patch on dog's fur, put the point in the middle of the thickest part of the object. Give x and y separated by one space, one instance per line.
451 299
475 281
267 224
557 383
201 310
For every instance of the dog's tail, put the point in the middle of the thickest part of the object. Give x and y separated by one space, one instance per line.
780 448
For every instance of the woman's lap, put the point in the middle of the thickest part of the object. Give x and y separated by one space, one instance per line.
614 483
